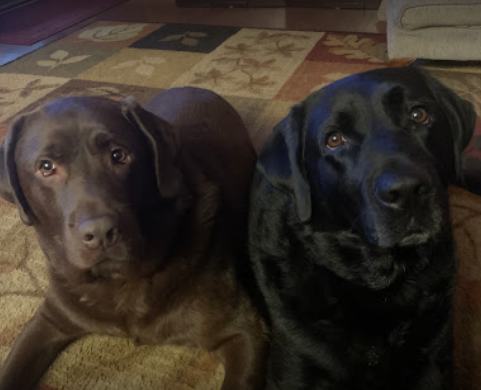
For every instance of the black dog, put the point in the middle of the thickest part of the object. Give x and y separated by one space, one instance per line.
350 236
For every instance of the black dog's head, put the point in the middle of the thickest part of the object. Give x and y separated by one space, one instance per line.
372 153
96 178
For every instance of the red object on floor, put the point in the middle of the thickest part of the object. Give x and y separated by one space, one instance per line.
34 22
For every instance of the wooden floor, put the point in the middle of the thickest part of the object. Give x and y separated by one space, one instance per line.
310 19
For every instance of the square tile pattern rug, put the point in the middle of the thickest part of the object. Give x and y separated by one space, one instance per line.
262 73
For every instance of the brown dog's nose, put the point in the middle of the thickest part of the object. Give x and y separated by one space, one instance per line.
398 190
100 232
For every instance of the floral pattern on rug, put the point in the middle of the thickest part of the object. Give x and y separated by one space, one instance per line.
78 87
352 48
186 37
60 60
252 63
18 91
147 68
112 34
312 75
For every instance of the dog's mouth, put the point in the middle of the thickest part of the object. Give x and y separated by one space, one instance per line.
90 261
117 256
124 268
416 238
391 233
105 261
111 268
403 229
413 224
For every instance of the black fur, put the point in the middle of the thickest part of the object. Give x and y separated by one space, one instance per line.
352 247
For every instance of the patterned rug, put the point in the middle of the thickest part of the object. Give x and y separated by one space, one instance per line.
262 73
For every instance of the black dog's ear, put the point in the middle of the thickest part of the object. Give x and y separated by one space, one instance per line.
10 188
162 138
461 116
282 161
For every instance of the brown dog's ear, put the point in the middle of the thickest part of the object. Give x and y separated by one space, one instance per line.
282 161
162 138
10 188
462 120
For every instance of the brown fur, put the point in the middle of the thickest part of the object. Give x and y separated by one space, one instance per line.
176 273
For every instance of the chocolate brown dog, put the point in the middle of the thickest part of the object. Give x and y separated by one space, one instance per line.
142 221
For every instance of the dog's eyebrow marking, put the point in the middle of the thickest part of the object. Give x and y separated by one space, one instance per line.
346 122
56 151
58 146
395 96
98 140
393 102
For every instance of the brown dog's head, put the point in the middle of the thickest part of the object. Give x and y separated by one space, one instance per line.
94 177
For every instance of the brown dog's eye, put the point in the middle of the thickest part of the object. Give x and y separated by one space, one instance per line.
47 168
119 156
335 140
419 116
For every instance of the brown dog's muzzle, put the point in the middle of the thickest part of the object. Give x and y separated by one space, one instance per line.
98 233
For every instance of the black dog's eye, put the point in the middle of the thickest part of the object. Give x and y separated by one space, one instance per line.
119 156
419 116
334 140
47 168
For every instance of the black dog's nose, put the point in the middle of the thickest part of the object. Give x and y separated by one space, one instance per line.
100 232
398 190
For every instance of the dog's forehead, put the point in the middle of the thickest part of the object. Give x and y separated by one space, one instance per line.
77 116
357 103
362 92
80 112
376 86
66 125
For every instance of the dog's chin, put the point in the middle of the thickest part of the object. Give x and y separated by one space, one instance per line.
410 239
415 239
90 261
408 228
129 263
124 269
116 258
390 234
111 268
